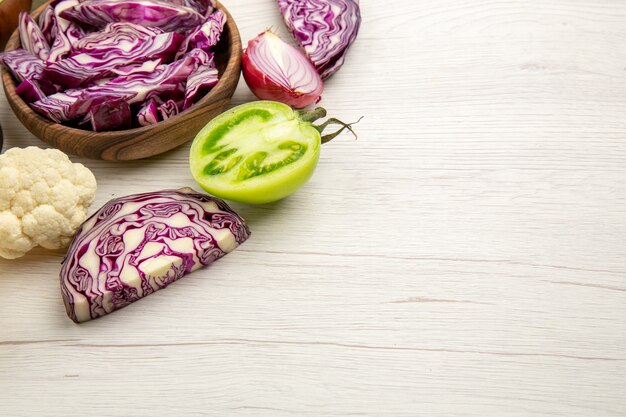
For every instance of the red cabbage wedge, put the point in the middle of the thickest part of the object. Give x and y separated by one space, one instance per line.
32 37
22 64
28 70
139 244
325 29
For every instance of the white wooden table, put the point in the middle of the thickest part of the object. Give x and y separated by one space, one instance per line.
465 257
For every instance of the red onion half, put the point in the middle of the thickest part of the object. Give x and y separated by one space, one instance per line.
275 70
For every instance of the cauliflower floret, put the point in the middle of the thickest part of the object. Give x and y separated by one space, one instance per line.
44 198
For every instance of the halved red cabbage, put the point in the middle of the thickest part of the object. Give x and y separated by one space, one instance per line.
139 244
150 13
148 114
134 88
82 67
206 35
31 37
111 115
325 29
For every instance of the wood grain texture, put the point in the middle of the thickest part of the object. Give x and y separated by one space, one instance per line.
145 141
465 257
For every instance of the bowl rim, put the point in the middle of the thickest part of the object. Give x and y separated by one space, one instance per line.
8 81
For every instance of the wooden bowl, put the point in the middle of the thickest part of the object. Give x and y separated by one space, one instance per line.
142 142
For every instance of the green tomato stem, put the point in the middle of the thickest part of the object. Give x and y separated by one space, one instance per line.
311 116
333 121
318 113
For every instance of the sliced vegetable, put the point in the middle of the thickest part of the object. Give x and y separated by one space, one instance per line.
115 35
168 109
84 53
31 37
200 82
80 68
28 71
62 45
207 35
111 115
325 29
204 7
149 13
139 244
21 63
148 114
47 23
66 32
147 67
275 70
258 152
134 88
71 104
29 91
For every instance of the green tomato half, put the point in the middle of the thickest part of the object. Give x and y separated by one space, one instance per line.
255 153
